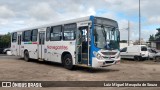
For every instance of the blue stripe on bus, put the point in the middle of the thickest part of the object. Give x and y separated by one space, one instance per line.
93 47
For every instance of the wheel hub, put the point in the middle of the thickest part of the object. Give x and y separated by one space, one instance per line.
68 61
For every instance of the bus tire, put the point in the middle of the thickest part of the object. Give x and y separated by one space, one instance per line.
26 56
67 62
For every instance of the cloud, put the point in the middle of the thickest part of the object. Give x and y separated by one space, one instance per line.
20 14
5 12
42 11
153 20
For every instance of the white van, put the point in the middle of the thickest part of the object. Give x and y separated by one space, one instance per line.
136 52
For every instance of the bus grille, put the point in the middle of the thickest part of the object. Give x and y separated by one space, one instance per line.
108 57
109 61
108 53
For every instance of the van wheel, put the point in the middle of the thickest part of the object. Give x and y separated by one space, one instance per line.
138 58
157 58
26 56
67 62
148 58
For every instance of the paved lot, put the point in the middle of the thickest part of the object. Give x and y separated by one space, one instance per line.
13 68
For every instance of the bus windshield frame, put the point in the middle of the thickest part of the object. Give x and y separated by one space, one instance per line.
106 36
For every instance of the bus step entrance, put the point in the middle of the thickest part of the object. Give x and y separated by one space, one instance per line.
84 55
84 58
84 61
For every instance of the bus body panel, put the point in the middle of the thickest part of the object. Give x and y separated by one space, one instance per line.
14 48
31 48
104 61
53 50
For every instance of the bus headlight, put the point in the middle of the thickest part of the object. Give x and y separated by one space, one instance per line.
118 55
98 56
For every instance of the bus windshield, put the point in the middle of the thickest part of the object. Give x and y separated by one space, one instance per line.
106 37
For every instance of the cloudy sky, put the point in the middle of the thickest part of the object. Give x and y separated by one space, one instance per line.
17 14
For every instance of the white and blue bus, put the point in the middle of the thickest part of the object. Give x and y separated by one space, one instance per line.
89 41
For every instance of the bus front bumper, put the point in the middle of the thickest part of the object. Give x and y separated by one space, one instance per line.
104 63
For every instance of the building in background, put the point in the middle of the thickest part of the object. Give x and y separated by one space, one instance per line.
156 42
124 43
157 39
142 42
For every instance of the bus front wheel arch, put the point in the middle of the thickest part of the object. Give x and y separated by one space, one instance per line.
26 55
67 61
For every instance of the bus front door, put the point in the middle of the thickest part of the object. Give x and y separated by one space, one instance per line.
83 43
19 45
41 46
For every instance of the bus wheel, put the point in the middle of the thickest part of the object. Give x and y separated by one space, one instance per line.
67 62
26 56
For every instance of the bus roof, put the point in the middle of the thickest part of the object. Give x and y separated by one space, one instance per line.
58 23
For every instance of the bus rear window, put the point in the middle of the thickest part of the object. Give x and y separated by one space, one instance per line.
14 37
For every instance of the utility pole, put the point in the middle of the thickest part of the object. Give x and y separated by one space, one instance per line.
128 33
139 22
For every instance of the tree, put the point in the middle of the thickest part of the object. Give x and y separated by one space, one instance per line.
151 38
157 35
5 40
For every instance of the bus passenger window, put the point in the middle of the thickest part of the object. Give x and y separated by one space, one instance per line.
69 31
27 36
48 33
56 33
34 35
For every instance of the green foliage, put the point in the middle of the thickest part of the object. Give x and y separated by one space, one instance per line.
5 40
157 35
151 38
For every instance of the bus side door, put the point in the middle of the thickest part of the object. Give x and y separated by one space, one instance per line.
83 43
19 45
41 45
